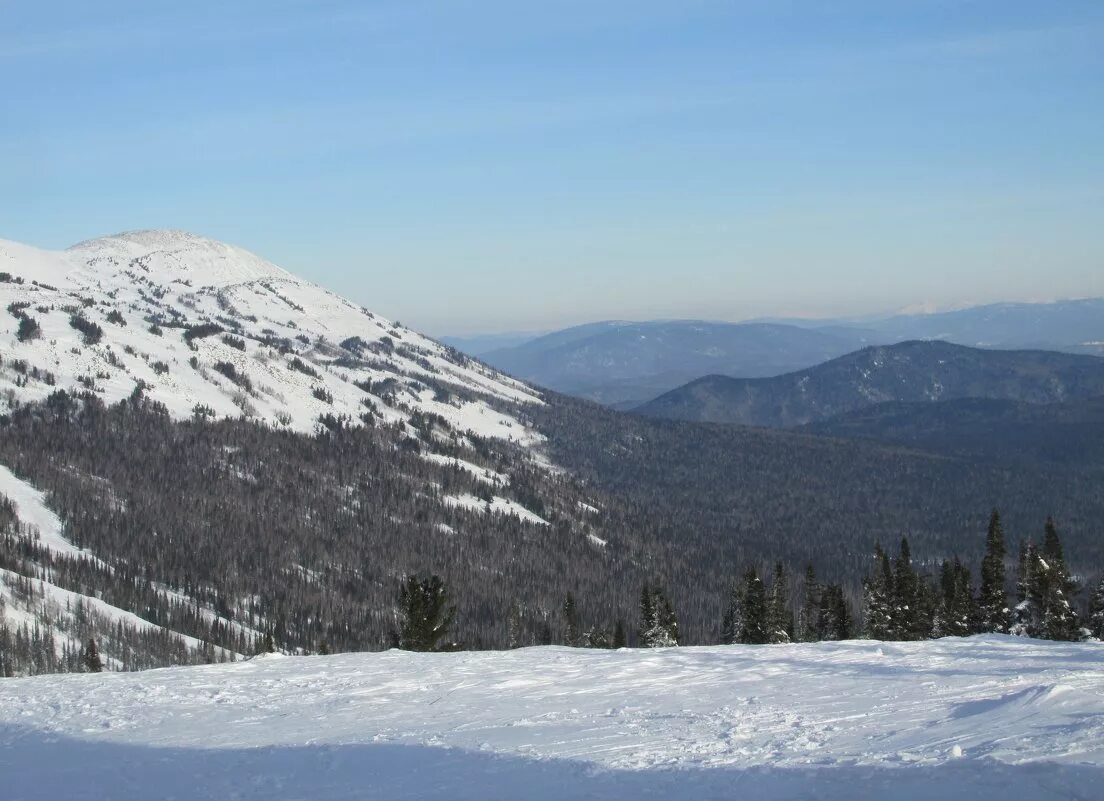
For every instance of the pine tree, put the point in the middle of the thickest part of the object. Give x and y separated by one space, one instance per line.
780 622
1059 617
572 634
810 608
544 632
668 622
955 611
647 615
993 611
905 607
835 616
966 609
513 626
91 659
619 640
878 598
1030 575
754 630
732 624
426 615
1096 612
658 623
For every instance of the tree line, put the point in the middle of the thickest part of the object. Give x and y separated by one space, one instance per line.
899 603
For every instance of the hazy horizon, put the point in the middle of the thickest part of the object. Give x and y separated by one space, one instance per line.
481 168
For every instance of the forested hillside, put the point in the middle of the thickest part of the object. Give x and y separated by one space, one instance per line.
929 371
1069 433
733 495
305 537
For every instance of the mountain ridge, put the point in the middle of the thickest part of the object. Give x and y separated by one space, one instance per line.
622 363
200 323
915 370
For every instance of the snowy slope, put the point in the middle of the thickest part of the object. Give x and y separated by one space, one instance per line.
297 350
58 605
981 718
54 608
34 514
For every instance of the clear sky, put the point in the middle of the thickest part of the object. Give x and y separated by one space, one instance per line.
480 166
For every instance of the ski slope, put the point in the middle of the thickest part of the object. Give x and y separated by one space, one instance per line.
980 718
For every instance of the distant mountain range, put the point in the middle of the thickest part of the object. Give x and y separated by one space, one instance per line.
914 371
1074 326
625 364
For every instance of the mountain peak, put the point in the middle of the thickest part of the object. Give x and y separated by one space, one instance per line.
204 327
169 254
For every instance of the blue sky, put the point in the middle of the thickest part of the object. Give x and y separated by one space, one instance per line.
480 166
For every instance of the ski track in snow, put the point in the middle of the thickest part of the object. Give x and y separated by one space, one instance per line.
980 718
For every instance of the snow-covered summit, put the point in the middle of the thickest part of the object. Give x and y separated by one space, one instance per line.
206 327
169 255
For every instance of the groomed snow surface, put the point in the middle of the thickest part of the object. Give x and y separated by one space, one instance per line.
981 718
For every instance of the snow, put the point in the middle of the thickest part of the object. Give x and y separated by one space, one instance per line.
189 280
40 520
484 474
61 602
31 509
497 505
980 718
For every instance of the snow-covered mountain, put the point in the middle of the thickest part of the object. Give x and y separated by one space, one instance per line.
208 327
986 718
205 328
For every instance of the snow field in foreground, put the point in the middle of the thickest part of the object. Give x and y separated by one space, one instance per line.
980 718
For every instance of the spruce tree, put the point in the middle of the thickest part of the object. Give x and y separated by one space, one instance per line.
905 607
1096 612
810 608
426 614
572 633
658 623
1030 591
668 622
1059 617
732 624
91 659
754 604
514 626
878 598
647 615
544 632
994 614
835 616
955 613
619 640
780 622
